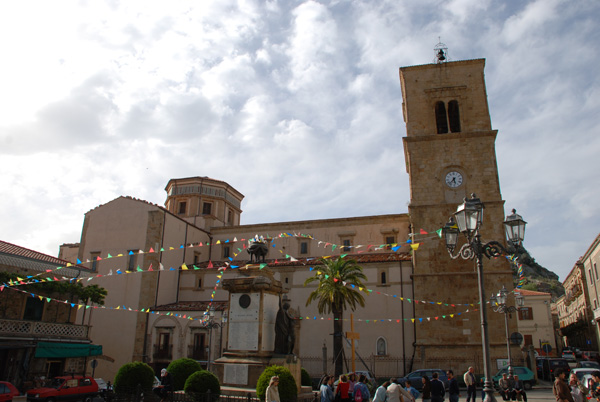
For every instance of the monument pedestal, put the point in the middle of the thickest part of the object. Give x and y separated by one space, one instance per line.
254 300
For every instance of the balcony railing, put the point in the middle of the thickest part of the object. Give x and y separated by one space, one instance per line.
38 329
163 352
197 352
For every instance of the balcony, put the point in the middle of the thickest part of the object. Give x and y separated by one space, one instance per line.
163 352
38 329
197 352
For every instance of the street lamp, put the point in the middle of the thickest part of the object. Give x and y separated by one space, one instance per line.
467 220
210 324
498 304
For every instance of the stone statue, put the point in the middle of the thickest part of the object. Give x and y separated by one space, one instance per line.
257 248
285 337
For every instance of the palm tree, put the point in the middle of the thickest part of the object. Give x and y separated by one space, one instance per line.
335 293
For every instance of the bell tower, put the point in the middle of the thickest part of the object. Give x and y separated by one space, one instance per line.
450 153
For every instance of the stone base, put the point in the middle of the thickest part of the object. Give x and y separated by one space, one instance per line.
244 371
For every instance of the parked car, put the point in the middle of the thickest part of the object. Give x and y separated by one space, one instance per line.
66 388
550 365
569 355
524 374
8 391
415 378
592 364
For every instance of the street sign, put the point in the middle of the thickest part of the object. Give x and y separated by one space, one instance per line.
94 363
516 338
547 348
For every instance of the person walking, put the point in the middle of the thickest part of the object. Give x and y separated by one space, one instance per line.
426 391
380 393
272 394
412 390
437 389
327 389
343 389
393 392
361 391
453 390
560 389
471 383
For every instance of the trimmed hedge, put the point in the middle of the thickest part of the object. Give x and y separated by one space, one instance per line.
305 379
181 369
131 374
201 382
288 390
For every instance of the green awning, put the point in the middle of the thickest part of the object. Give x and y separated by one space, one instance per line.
57 349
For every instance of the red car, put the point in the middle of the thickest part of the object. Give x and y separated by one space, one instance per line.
65 388
7 391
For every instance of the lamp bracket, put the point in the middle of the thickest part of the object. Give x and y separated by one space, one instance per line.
466 252
494 249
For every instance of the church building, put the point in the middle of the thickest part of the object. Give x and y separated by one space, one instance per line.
163 266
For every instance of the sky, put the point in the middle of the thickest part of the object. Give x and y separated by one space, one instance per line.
296 104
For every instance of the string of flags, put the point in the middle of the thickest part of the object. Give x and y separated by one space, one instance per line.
203 319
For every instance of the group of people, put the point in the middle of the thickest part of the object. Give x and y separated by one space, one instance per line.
351 389
348 389
574 390
512 389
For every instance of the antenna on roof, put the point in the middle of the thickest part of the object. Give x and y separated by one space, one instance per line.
441 52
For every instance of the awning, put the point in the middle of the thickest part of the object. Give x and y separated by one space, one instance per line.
57 349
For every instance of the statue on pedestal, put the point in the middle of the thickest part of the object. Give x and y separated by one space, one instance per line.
257 248
285 337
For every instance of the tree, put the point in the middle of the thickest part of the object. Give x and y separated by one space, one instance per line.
200 383
130 375
335 293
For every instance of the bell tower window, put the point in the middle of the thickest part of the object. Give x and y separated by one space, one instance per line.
454 116
440 118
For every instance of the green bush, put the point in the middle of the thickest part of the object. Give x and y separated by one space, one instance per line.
305 379
200 382
287 385
181 369
131 374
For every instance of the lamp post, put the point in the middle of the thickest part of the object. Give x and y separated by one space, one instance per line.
210 324
498 304
468 218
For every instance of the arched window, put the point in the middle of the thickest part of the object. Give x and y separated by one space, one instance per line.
440 118
454 116
381 347
383 278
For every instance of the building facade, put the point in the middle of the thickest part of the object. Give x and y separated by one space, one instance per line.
535 321
39 336
575 312
589 265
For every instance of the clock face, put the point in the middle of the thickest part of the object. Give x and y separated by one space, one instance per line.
454 179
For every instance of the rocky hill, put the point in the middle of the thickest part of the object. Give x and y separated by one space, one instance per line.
537 277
